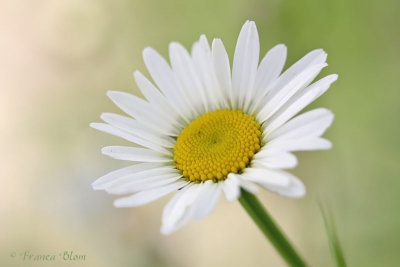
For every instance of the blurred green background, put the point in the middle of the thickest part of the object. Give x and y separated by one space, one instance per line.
58 59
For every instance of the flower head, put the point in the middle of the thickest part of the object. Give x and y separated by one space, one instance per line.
204 130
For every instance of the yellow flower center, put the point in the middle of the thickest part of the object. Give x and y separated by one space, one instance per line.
216 144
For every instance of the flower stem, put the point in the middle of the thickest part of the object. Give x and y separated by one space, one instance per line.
266 224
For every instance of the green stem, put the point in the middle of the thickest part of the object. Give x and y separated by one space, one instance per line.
266 224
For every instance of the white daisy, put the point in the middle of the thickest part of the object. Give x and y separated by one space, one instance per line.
203 130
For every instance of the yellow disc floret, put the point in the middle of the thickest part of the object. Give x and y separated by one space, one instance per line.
216 144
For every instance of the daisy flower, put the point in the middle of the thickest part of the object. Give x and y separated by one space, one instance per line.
203 130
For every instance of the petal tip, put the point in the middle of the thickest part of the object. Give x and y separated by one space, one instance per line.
96 186
334 77
106 150
105 115
119 204
148 50
164 230
203 38
111 94
136 73
281 47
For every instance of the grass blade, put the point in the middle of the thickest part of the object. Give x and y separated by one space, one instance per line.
334 243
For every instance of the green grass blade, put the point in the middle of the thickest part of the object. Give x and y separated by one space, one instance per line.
334 243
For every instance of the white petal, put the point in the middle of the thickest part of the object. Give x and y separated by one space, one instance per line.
137 140
145 197
264 176
298 102
141 111
163 76
179 203
144 175
133 126
104 181
285 89
207 199
141 176
130 104
244 183
317 56
231 188
187 79
134 154
292 187
222 69
157 100
194 202
211 94
245 64
173 205
179 209
295 189
270 68
302 144
310 124
143 184
275 159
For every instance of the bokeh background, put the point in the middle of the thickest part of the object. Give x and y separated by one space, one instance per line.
58 59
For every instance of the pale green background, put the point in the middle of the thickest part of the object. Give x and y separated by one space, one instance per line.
58 59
